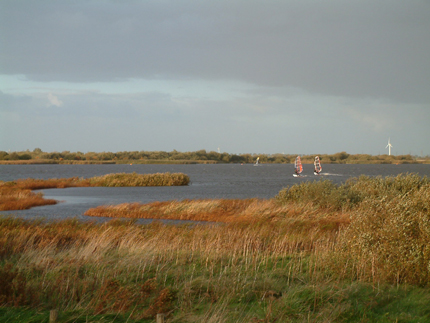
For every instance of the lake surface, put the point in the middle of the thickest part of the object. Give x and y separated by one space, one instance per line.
232 181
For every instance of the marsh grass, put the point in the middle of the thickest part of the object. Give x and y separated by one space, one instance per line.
21 199
17 195
267 261
237 272
389 235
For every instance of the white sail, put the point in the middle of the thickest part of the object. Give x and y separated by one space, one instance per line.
317 166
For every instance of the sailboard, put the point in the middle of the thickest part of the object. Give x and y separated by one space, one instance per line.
298 168
317 165
257 162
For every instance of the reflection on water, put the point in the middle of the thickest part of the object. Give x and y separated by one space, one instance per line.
232 181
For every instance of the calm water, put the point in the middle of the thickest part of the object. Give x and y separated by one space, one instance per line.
207 181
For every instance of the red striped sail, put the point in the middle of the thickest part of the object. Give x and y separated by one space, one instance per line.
298 165
317 164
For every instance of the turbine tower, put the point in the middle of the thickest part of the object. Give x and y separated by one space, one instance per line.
389 147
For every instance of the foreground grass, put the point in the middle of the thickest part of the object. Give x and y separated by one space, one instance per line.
17 195
363 257
256 272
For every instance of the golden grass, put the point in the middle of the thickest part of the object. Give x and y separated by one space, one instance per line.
284 259
115 267
381 224
21 199
220 210
16 195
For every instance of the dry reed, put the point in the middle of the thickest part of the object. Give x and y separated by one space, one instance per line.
269 261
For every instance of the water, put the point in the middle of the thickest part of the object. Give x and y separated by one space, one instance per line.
232 181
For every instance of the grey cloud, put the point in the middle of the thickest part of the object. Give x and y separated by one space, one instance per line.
159 121
355 48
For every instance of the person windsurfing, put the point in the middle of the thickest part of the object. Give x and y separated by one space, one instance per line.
317 164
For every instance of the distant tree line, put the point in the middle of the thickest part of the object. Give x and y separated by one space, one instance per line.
199 156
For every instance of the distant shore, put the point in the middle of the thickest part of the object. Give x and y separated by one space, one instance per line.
189 162
102 162
37 156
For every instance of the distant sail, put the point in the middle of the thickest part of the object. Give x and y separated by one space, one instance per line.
298 166
257 161
317 164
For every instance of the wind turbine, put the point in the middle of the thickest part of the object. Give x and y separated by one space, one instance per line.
389 147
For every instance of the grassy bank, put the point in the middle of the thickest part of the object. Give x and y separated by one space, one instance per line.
17 195
360 256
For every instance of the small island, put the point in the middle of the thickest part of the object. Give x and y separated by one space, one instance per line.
18 195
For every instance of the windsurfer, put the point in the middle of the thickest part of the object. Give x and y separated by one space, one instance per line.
317 166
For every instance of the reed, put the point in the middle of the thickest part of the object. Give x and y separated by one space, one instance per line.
388 237
382 218
133 179
21 199
326 194
222 210
263 271
261 261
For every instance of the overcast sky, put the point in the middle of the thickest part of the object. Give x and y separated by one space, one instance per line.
295 77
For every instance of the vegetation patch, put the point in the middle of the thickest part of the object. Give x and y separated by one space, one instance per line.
361 257
17 195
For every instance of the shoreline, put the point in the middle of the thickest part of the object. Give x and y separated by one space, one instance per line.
194 162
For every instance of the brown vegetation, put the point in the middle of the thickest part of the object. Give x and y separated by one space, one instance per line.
21 199
363 255
16 195
222 210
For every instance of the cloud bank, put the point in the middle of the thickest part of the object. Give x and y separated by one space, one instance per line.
272 76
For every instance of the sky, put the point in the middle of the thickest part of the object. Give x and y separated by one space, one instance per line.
235 76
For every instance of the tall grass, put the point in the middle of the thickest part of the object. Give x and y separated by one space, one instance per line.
386 219
389 235
264 271
133 179
108 180
277 260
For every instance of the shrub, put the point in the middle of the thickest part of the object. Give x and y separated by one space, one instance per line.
323 193
389 235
